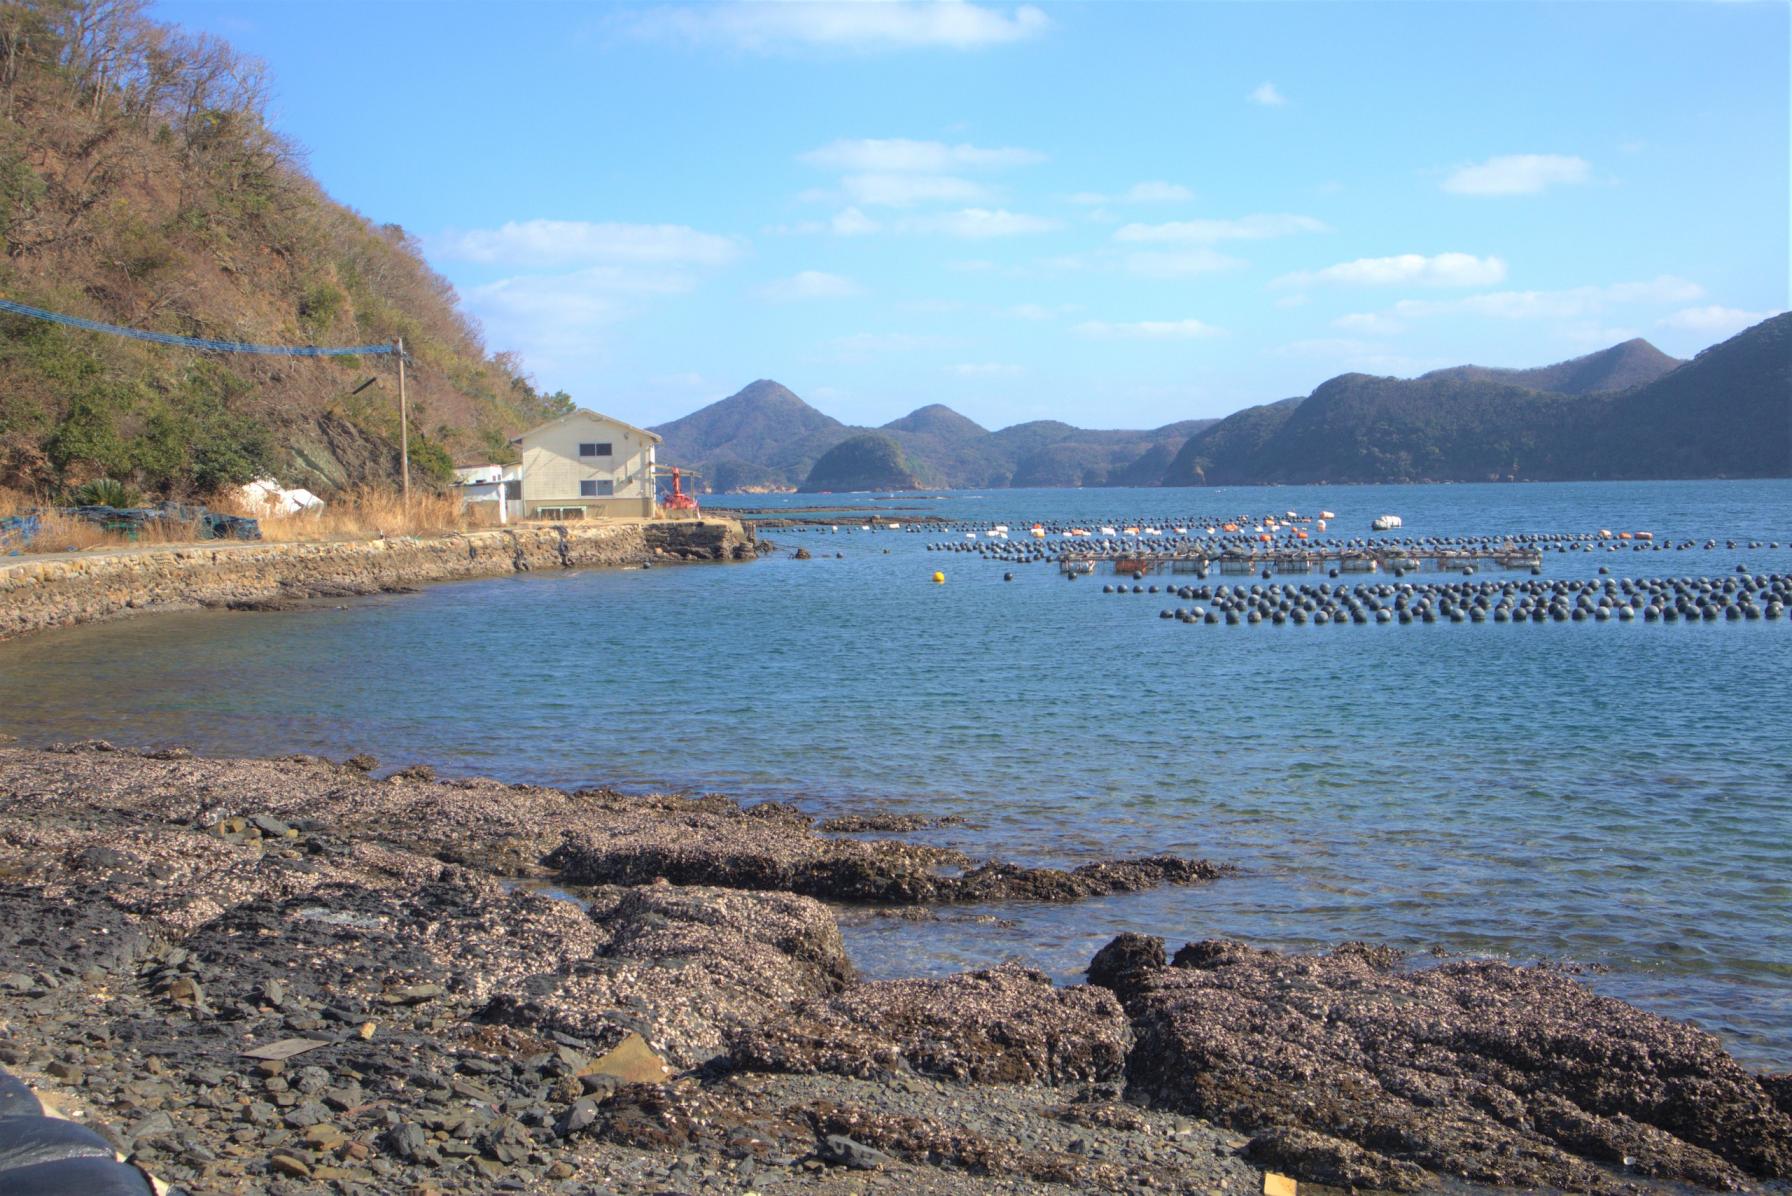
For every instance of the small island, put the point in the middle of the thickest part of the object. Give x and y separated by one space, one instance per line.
871 461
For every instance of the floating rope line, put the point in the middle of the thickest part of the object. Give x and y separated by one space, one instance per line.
194 342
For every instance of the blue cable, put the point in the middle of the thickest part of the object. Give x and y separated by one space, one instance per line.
193 342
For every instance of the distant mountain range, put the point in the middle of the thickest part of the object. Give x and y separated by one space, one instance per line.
1629 411
764 437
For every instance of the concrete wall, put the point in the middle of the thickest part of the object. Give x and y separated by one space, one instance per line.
59 591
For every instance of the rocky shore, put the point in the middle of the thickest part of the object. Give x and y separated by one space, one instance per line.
289 976
60 591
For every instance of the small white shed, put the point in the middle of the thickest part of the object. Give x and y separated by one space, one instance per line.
494 493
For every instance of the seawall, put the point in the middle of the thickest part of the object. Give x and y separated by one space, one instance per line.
60 591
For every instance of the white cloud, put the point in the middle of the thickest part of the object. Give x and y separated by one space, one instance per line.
1713 320
845 24
612 280
555 321
850 222
1517 174
986 369
898 172
861 345
1162 330
847 222
1594 336
933 307
1158 191
1571 303
1265 93
1663 288
547 302
1439 270
569 280
892 155
810 284
905 190
1335 346
569 243
1039 311
980 223
1345 354
1371 322
1155 191
1255 227
1181 263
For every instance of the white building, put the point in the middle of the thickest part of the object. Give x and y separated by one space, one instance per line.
585 466
494 493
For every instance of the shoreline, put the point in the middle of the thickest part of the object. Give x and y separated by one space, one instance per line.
169 908
63 590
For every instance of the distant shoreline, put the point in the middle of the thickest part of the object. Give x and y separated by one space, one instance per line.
37 593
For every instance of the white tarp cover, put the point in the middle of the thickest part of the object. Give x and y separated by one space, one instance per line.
265 494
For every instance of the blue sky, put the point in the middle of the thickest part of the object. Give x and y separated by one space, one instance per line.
1113 214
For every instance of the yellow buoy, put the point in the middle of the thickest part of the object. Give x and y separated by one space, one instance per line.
939 579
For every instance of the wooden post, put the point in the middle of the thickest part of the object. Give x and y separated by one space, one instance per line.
404 429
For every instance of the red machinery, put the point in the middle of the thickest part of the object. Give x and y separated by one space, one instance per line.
678 500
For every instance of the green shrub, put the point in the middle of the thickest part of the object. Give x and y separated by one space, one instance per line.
430 461
319 306
104 492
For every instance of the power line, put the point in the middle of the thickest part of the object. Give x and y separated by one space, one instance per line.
194 342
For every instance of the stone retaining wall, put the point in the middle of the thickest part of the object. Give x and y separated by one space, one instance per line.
36 593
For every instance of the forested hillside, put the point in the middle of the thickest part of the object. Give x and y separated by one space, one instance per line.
1726 413
867 461
141 185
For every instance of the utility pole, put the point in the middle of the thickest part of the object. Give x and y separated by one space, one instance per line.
404 429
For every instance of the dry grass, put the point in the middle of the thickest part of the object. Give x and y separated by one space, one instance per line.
362 515
61 533
358 515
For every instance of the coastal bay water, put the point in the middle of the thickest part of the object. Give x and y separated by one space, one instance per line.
1615 796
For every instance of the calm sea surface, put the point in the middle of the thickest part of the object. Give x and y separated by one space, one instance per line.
1615 795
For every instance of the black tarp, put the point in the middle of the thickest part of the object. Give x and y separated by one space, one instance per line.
48 1156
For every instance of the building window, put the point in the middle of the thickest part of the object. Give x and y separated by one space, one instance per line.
602 488
513 490
599 449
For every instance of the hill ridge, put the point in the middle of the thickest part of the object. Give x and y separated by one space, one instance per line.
1618 367
1725 413
127 201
